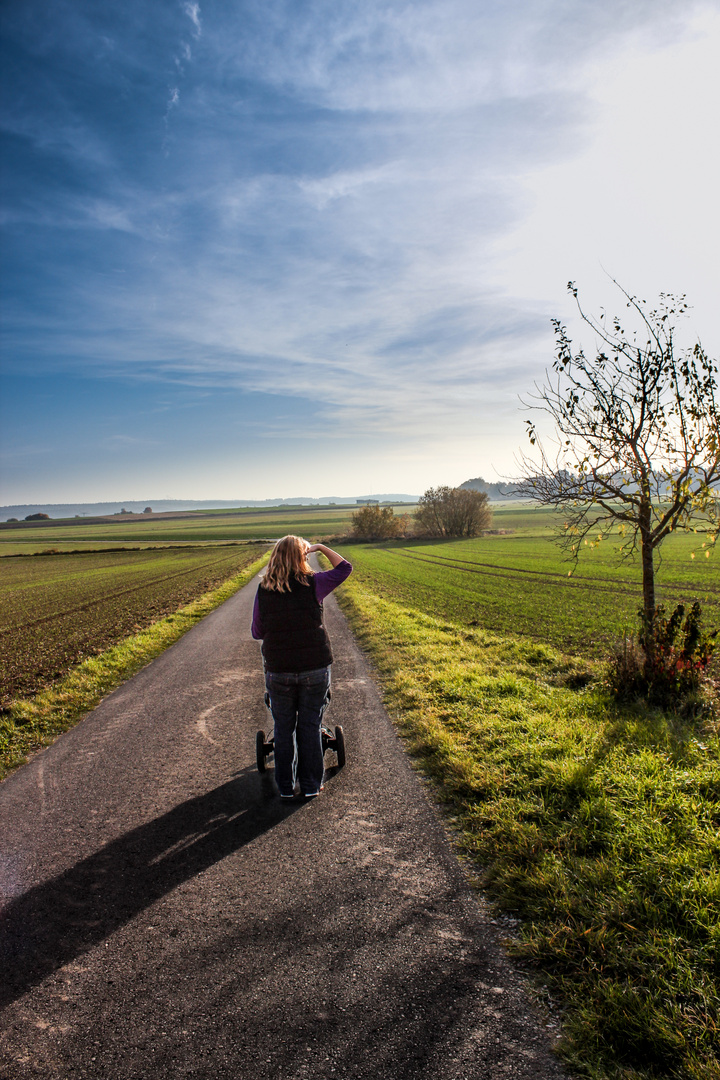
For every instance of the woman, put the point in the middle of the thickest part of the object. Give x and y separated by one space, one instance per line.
288 616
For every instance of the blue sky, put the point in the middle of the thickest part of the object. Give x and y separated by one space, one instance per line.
270 248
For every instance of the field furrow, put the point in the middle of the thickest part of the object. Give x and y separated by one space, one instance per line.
156 583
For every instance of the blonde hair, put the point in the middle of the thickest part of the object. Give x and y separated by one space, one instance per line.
287 560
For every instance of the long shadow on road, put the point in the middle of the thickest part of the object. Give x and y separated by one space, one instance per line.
53 923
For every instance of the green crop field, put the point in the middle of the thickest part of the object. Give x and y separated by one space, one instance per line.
55 610
518 583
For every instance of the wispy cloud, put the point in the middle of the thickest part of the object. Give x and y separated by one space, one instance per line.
434 55
122 442
362 213
193 13
340 185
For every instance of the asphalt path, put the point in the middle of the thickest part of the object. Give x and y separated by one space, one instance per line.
165 915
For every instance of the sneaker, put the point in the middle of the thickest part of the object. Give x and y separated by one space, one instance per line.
287 796
312 794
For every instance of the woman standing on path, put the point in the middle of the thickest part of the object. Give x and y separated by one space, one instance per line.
288 617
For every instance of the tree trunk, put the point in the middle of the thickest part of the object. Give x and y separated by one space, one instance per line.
648 570
648 573
646 554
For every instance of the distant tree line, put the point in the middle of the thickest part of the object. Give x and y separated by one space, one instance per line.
31 517
496 492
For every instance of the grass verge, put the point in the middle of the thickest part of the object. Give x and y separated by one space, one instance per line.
597 825
31 723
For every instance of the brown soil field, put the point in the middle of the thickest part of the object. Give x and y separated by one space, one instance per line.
56 610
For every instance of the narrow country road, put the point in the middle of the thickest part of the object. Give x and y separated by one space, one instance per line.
165 916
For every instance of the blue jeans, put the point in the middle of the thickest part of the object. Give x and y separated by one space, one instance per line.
297 703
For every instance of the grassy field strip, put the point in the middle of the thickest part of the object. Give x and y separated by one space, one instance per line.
105 597
31 724
598 827
27 548
316 522
91 547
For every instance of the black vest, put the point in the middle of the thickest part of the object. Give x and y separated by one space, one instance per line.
294 637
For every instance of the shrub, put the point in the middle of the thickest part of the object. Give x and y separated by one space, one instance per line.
677 653
377 523
38 517
668 662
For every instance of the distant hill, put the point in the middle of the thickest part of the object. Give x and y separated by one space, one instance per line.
164 506
495 492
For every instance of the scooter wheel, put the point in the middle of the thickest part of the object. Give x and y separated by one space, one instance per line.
260 750
340 746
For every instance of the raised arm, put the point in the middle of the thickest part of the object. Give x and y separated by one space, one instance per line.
329 554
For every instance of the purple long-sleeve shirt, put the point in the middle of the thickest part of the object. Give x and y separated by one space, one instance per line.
325 581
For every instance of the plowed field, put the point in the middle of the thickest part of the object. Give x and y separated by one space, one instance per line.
56 610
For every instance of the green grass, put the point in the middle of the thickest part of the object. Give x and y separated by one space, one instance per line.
519 584
598 826
29 724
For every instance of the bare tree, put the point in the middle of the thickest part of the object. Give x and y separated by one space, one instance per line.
637 443
446 511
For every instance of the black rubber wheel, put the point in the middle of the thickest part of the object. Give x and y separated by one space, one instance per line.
340 746
260 750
